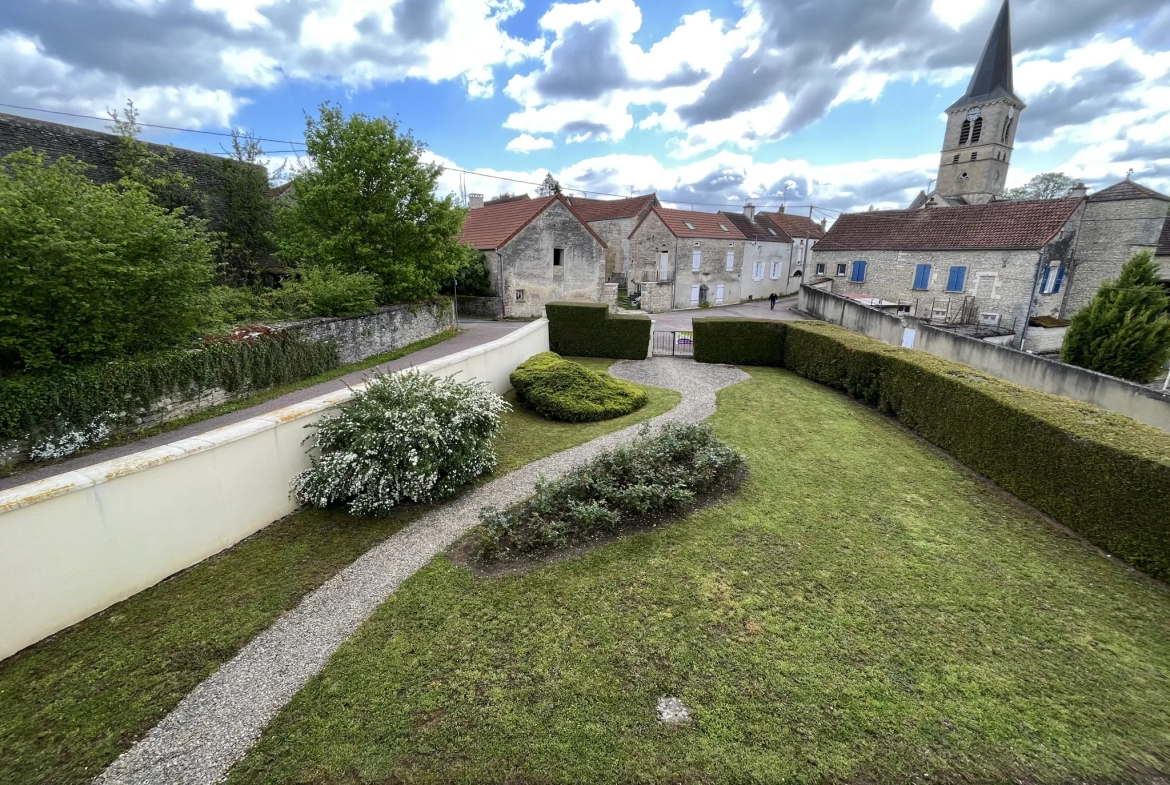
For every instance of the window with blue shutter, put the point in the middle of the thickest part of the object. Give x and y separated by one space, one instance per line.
922 276
858 271
1053 278
1059 279
956 279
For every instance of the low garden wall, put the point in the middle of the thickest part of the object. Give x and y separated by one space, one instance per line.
1039 373
1099 473
392 327
480 307
74 544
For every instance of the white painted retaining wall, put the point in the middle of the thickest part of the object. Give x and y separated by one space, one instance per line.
74 544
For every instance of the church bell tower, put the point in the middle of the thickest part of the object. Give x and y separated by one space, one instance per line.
981 126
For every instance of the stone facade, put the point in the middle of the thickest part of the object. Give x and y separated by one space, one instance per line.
657 297
392 327
767 268
531 278
1111 233
616 234
652 239
999 282
977 170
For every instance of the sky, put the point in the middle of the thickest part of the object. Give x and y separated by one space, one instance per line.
837 104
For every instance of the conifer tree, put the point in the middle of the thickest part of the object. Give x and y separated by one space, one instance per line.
1125 330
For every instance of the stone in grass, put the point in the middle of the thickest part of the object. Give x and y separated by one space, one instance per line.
672 711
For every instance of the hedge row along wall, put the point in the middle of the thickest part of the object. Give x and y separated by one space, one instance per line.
34 405
1099 473
589 330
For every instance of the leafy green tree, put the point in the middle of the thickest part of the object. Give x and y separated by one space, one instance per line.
1050 185
549 186
244 215
90 272
1124 331
472 274
140 165
367 204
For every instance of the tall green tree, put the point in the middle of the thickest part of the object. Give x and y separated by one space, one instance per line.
90 272
244 213
1049 185
549 186
1125 330
367 203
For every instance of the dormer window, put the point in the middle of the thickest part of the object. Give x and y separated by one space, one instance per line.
690 225
772 232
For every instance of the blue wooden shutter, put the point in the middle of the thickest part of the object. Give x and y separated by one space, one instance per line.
1059 279
957 278
922 276
858 271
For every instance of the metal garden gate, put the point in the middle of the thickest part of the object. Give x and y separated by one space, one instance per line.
674 343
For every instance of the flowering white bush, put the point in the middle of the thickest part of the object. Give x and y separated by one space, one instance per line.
406 437
73 439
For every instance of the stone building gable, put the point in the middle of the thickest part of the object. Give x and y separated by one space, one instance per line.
653 236
532 279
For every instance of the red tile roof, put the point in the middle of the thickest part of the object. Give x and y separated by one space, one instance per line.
763 220
612 209
506 199
757 231
1125 190
796 225
707 225
491 227
997 225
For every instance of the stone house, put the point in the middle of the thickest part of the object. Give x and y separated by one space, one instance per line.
996 264
805 233
767 256
613 220
537 251
1119 221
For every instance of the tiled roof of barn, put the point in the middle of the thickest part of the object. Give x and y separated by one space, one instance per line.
493 226
996 225
1126 190
757 230
796 225
710 226
507 199
1164 240
612 209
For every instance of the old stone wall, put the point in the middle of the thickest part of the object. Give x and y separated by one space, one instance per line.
657 297
1111 232
479 307
616 234
392 327
530 277
99 150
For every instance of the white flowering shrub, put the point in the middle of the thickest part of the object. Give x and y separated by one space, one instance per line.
407 437
73 439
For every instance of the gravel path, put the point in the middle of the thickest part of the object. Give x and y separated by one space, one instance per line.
220 720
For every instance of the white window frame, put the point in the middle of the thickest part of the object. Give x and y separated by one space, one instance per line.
842 269
696 259
730 259
695 294
718 293
776 267
819 269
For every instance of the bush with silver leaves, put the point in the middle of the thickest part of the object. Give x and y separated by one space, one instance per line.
407 437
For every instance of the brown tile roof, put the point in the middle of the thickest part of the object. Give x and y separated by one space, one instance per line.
1164 241
612 209
763 220
1125 190
997 225
707 225
492 227
796 225
506 199
757 231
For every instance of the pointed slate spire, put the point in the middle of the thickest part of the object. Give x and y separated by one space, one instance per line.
993 76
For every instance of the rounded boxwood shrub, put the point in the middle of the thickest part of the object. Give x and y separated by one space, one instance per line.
407 437
565 391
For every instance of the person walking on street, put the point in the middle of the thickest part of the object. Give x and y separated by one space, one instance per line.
772 302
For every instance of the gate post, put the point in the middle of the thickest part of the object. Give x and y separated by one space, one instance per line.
650 348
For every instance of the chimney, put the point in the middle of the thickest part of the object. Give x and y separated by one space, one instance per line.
1078 191
749 211
824 223
475 201
781 209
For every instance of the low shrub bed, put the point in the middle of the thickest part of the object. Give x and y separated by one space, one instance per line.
563 390
590 330
406 437
653 475
1101 474
43 406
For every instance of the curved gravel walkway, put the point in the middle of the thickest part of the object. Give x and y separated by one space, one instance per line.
220 720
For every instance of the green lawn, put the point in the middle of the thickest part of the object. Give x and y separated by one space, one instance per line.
70 705
862 611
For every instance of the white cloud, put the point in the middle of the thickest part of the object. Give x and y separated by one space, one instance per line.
956 13
527 144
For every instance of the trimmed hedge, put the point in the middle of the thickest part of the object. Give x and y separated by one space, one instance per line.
565 391
32 406
590 330
1099 473
723 339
